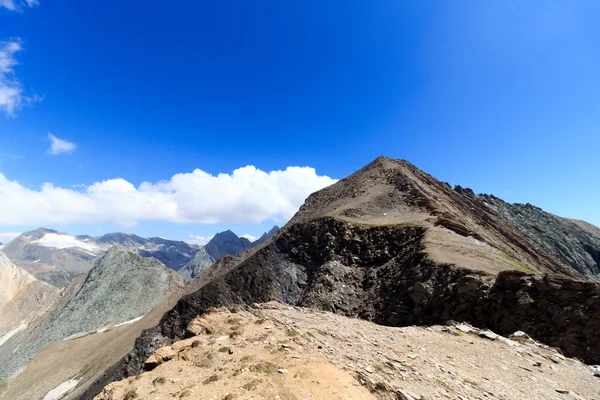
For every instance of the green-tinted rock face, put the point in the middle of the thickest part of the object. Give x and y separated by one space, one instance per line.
121 287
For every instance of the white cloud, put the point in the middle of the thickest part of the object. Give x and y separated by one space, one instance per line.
59 146
11 92
17 5
199 240
6 237
12 95
247 195
249 237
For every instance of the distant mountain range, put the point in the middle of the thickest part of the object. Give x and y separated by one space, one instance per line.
56 257
224 243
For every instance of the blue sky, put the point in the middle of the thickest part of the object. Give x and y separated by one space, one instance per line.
499 96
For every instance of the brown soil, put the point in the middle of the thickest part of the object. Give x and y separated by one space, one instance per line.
237 355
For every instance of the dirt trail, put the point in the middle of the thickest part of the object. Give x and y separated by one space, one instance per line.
272 351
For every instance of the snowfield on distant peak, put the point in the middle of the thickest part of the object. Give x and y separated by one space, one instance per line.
63 241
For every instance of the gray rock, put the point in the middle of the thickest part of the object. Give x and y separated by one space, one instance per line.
488 335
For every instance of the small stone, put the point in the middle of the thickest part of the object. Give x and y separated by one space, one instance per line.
282 371
562 391
269 327
296 356
560 356
406 395
369 370
520 336
221 338
488 335
464 328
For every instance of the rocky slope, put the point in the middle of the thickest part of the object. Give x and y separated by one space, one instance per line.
12 280
271 350
121 288
222 244
393 245
23 299
569 241
57 258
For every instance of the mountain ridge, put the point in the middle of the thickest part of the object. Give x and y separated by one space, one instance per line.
393 245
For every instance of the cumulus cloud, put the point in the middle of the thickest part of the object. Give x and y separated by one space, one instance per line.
18 5
6 237
247 195
60 146
199 240
249 237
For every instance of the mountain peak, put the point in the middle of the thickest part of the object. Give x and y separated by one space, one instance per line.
39 233
266 236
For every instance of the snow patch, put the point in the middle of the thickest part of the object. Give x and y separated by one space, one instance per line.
61 390
63 241
38 260
8 335
131 321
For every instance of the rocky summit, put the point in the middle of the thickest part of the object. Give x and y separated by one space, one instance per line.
392 245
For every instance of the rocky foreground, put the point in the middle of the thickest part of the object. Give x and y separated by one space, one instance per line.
273 351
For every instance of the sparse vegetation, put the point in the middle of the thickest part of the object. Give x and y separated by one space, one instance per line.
291 332
212 379
130 395
252 384
236 332
265 367
441 383
159 381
